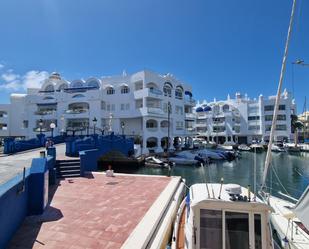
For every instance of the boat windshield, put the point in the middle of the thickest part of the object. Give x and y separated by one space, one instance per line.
237 230
211 229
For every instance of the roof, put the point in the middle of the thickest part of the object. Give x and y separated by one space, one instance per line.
199 197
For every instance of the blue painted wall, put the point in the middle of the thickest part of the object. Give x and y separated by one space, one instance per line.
104 144
22 196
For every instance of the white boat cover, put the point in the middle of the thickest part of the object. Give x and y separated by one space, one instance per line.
301 208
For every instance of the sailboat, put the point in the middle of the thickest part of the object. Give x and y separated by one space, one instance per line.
290 221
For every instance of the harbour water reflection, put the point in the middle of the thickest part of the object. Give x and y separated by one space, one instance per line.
293 171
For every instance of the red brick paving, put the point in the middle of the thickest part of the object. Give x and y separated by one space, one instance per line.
87 213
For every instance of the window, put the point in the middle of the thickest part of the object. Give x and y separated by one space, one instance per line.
178 93
237 230
281 107
257 231
236 129
103 105
125 89
278 127
165 107
179 125
254 127
167 89
268 108
225 108
179 110
78 96
127 106
279 117
253 118
25 124
49 88
93 84
110 91
211 229
122 107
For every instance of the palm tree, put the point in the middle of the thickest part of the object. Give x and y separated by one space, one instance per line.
296 125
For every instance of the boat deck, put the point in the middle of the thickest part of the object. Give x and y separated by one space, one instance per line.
91 212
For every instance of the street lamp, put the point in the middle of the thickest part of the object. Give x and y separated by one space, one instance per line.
40 124
122 127
52 127
94 121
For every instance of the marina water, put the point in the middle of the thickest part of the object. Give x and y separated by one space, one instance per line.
292 170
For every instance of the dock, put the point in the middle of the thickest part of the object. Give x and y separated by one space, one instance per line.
96 211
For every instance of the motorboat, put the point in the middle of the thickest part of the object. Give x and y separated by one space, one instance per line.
152 161
207 154
292 148
187 158
292 232
304 147
257 148
277 148
218 215
243 147
184 161
225 147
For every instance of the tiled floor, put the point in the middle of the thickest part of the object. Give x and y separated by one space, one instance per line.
94 212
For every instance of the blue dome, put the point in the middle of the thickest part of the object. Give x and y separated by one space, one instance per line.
199 109
207 108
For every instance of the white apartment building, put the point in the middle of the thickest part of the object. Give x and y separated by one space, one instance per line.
135 105
242 120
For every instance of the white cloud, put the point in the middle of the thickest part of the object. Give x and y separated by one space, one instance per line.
9 76
1 66
16 82
34 79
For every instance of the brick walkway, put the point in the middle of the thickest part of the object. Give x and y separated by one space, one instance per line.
93 212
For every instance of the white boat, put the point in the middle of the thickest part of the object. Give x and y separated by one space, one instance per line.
210 154
184 161
276 148
258 148
290 222
225 147
304 147
243 147
291 231
218 216
155 162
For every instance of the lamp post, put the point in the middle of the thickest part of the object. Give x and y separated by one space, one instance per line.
52 127
94 121
122 127
40 124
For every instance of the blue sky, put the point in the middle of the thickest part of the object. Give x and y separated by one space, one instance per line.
219 47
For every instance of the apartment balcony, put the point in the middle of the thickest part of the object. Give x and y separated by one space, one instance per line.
190 116
190 102
200 125
45 112
151 111
76 113
147 92
152 129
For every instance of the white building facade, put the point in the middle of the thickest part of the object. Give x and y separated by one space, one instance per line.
135 105
242 120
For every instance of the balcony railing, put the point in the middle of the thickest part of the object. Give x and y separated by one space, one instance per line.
190 115
190 102
45 112
155 110
76 111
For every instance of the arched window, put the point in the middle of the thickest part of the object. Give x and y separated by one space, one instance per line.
49 88
77 84
110 90
62 87
225 108
167 89
93 84
125 89
78 96
179 92
151 123
48 98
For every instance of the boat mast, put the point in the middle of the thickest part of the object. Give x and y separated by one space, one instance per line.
273 125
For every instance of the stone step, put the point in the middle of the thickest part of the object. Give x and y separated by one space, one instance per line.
62 167
69 171
68 176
